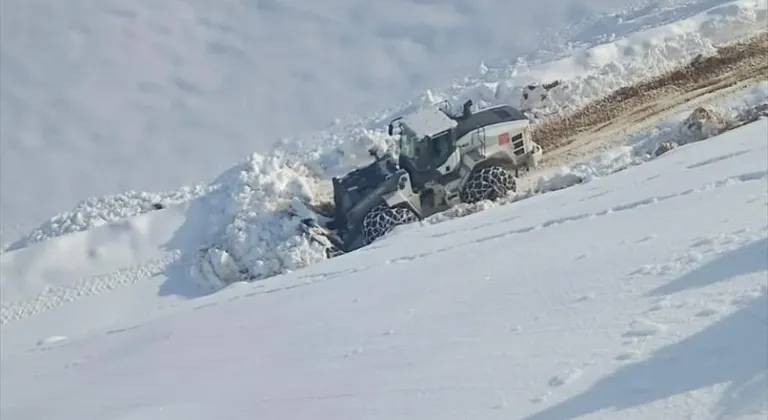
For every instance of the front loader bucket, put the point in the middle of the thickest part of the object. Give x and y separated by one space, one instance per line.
324 237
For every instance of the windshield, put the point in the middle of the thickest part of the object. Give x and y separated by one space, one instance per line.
442 143
411 146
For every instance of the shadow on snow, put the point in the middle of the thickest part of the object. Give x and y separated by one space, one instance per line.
732 351
748 259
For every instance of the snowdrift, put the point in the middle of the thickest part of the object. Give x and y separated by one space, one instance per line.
656 306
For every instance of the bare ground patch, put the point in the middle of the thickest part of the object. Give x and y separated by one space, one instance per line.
731 65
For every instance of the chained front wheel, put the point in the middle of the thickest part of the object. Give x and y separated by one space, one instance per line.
381 219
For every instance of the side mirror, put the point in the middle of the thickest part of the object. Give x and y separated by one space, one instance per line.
467 110
391 127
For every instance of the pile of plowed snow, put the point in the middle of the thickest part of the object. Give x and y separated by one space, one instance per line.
592 73
95 212
253 232
250 227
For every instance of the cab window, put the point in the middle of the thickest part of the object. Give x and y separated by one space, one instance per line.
411 146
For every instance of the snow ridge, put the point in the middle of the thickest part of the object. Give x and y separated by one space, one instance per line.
95 212
589 74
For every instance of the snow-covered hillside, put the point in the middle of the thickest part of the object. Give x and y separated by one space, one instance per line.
628 278
100 97
642 295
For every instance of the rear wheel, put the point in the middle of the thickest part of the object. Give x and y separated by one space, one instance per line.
489 183
382 219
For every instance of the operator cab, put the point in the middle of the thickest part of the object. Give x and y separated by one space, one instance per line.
426 152
427 140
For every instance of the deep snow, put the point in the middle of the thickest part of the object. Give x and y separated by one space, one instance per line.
645 291
112 96
631 283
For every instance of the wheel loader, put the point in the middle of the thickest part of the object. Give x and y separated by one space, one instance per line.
443 159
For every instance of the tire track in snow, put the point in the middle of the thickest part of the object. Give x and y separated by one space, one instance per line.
54 297
747 177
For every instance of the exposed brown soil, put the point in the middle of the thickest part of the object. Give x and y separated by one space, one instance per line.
732 64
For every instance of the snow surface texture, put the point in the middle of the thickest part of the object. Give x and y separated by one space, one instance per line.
149 97
657 308
331 152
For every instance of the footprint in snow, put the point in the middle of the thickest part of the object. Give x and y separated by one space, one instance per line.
122 330
352 353
708 311
704 241
51 340
644 328
542 397
629 355
660 304
565 378
746 298
204 305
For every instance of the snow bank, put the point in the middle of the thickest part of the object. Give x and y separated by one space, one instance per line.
98 211
589 74
581 73
254 233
